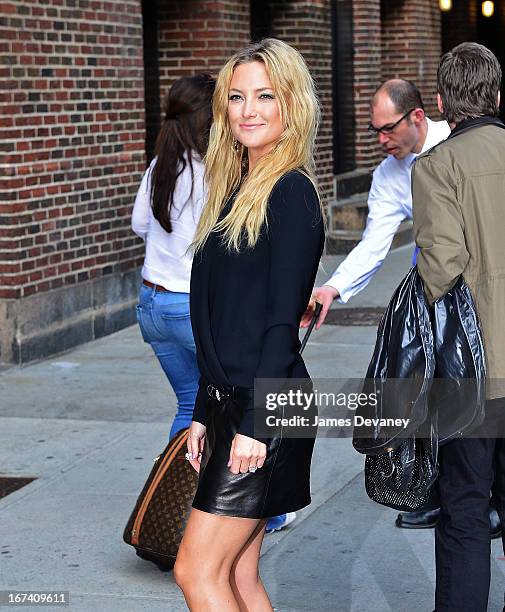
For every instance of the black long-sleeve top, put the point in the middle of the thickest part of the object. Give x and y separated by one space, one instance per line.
246 307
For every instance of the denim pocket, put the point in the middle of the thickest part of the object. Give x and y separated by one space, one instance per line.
173 317
174 312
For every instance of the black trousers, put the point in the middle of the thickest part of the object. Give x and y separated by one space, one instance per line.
468 467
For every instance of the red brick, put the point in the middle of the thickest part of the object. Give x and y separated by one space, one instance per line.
47 177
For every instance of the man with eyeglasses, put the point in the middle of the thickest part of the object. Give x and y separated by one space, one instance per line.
403 130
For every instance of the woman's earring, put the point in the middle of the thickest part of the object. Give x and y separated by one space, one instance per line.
236 145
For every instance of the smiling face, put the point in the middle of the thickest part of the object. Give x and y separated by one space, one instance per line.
407 136
253 110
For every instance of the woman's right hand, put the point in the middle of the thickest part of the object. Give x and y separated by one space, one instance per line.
196 440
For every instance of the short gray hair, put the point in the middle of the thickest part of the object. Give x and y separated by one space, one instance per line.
468 80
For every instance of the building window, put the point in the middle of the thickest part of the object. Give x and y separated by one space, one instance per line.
261 19
344 123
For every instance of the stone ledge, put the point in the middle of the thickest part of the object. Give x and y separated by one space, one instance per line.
46 324
351 183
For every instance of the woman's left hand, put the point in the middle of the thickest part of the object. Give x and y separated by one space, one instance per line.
246 453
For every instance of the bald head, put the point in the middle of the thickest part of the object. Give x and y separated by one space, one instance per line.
403 95
397 117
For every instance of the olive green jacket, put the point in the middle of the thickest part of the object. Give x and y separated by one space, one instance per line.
458 196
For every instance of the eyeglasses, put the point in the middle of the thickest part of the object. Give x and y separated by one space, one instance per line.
389 128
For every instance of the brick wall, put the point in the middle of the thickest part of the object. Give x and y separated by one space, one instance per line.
367 75
72 136
182 38
392 38
196 36
72 152
307 26
411 45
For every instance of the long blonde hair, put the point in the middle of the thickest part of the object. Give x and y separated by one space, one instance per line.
295 91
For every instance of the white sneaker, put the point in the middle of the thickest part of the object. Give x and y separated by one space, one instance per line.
276 523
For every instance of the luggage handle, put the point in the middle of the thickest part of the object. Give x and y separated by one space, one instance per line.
317 312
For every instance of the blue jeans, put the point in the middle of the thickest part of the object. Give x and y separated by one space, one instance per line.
164 321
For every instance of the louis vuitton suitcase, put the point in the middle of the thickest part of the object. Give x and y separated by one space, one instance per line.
157 523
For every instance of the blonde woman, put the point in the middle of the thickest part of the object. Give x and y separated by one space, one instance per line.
258 245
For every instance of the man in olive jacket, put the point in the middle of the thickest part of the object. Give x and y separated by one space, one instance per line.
458 192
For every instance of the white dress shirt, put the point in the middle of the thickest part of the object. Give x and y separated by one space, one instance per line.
167 261
389 203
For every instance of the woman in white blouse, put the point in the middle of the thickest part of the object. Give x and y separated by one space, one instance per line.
166 212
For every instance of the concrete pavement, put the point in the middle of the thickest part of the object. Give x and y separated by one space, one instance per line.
87 425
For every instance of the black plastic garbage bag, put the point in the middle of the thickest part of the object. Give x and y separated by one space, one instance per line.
458 393
400 372
427 360
428 367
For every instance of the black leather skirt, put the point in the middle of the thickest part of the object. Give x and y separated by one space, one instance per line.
281 485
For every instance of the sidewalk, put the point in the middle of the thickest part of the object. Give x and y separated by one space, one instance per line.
87 425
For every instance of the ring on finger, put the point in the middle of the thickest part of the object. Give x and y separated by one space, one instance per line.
253 468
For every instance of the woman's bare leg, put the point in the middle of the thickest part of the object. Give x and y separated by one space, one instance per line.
208 550
245 580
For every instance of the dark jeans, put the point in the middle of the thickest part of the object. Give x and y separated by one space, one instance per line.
468 467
